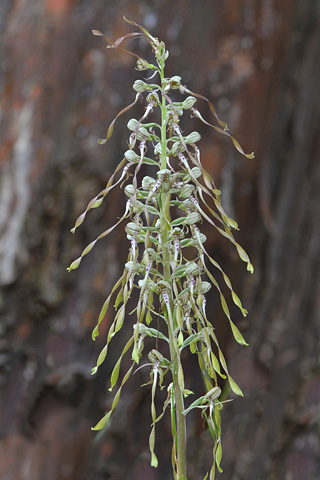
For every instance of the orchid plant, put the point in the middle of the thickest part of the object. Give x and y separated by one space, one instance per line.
164 213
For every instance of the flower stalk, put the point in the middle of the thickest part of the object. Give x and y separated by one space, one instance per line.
178 419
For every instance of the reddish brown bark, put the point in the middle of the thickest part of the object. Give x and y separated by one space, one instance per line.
59 89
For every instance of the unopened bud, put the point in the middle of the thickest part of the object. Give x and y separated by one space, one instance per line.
193 137
147 183
191 268
132 124
175 148
196 172
192 218
214 393
205 287
141 86
189 102
142 64
131 156
132 228
129 190
186 191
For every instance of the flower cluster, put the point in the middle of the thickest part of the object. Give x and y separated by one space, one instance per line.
164 212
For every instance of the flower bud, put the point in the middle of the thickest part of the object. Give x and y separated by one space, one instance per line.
196 172
132 228
214 393
193 137
193 242
142 64
137 207
175 148
147 183
129 190
205 287
132 124
143 133
131 156
175 110
157 149
188 204
191 268
189 102
156 357
186 191
203 238
192 218
141 86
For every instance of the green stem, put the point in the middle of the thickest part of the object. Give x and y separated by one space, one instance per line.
180 419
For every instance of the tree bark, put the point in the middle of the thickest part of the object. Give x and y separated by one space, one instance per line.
259 62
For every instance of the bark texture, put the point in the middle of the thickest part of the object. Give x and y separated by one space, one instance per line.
259 62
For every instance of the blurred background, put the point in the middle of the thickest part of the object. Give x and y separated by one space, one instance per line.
259 63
